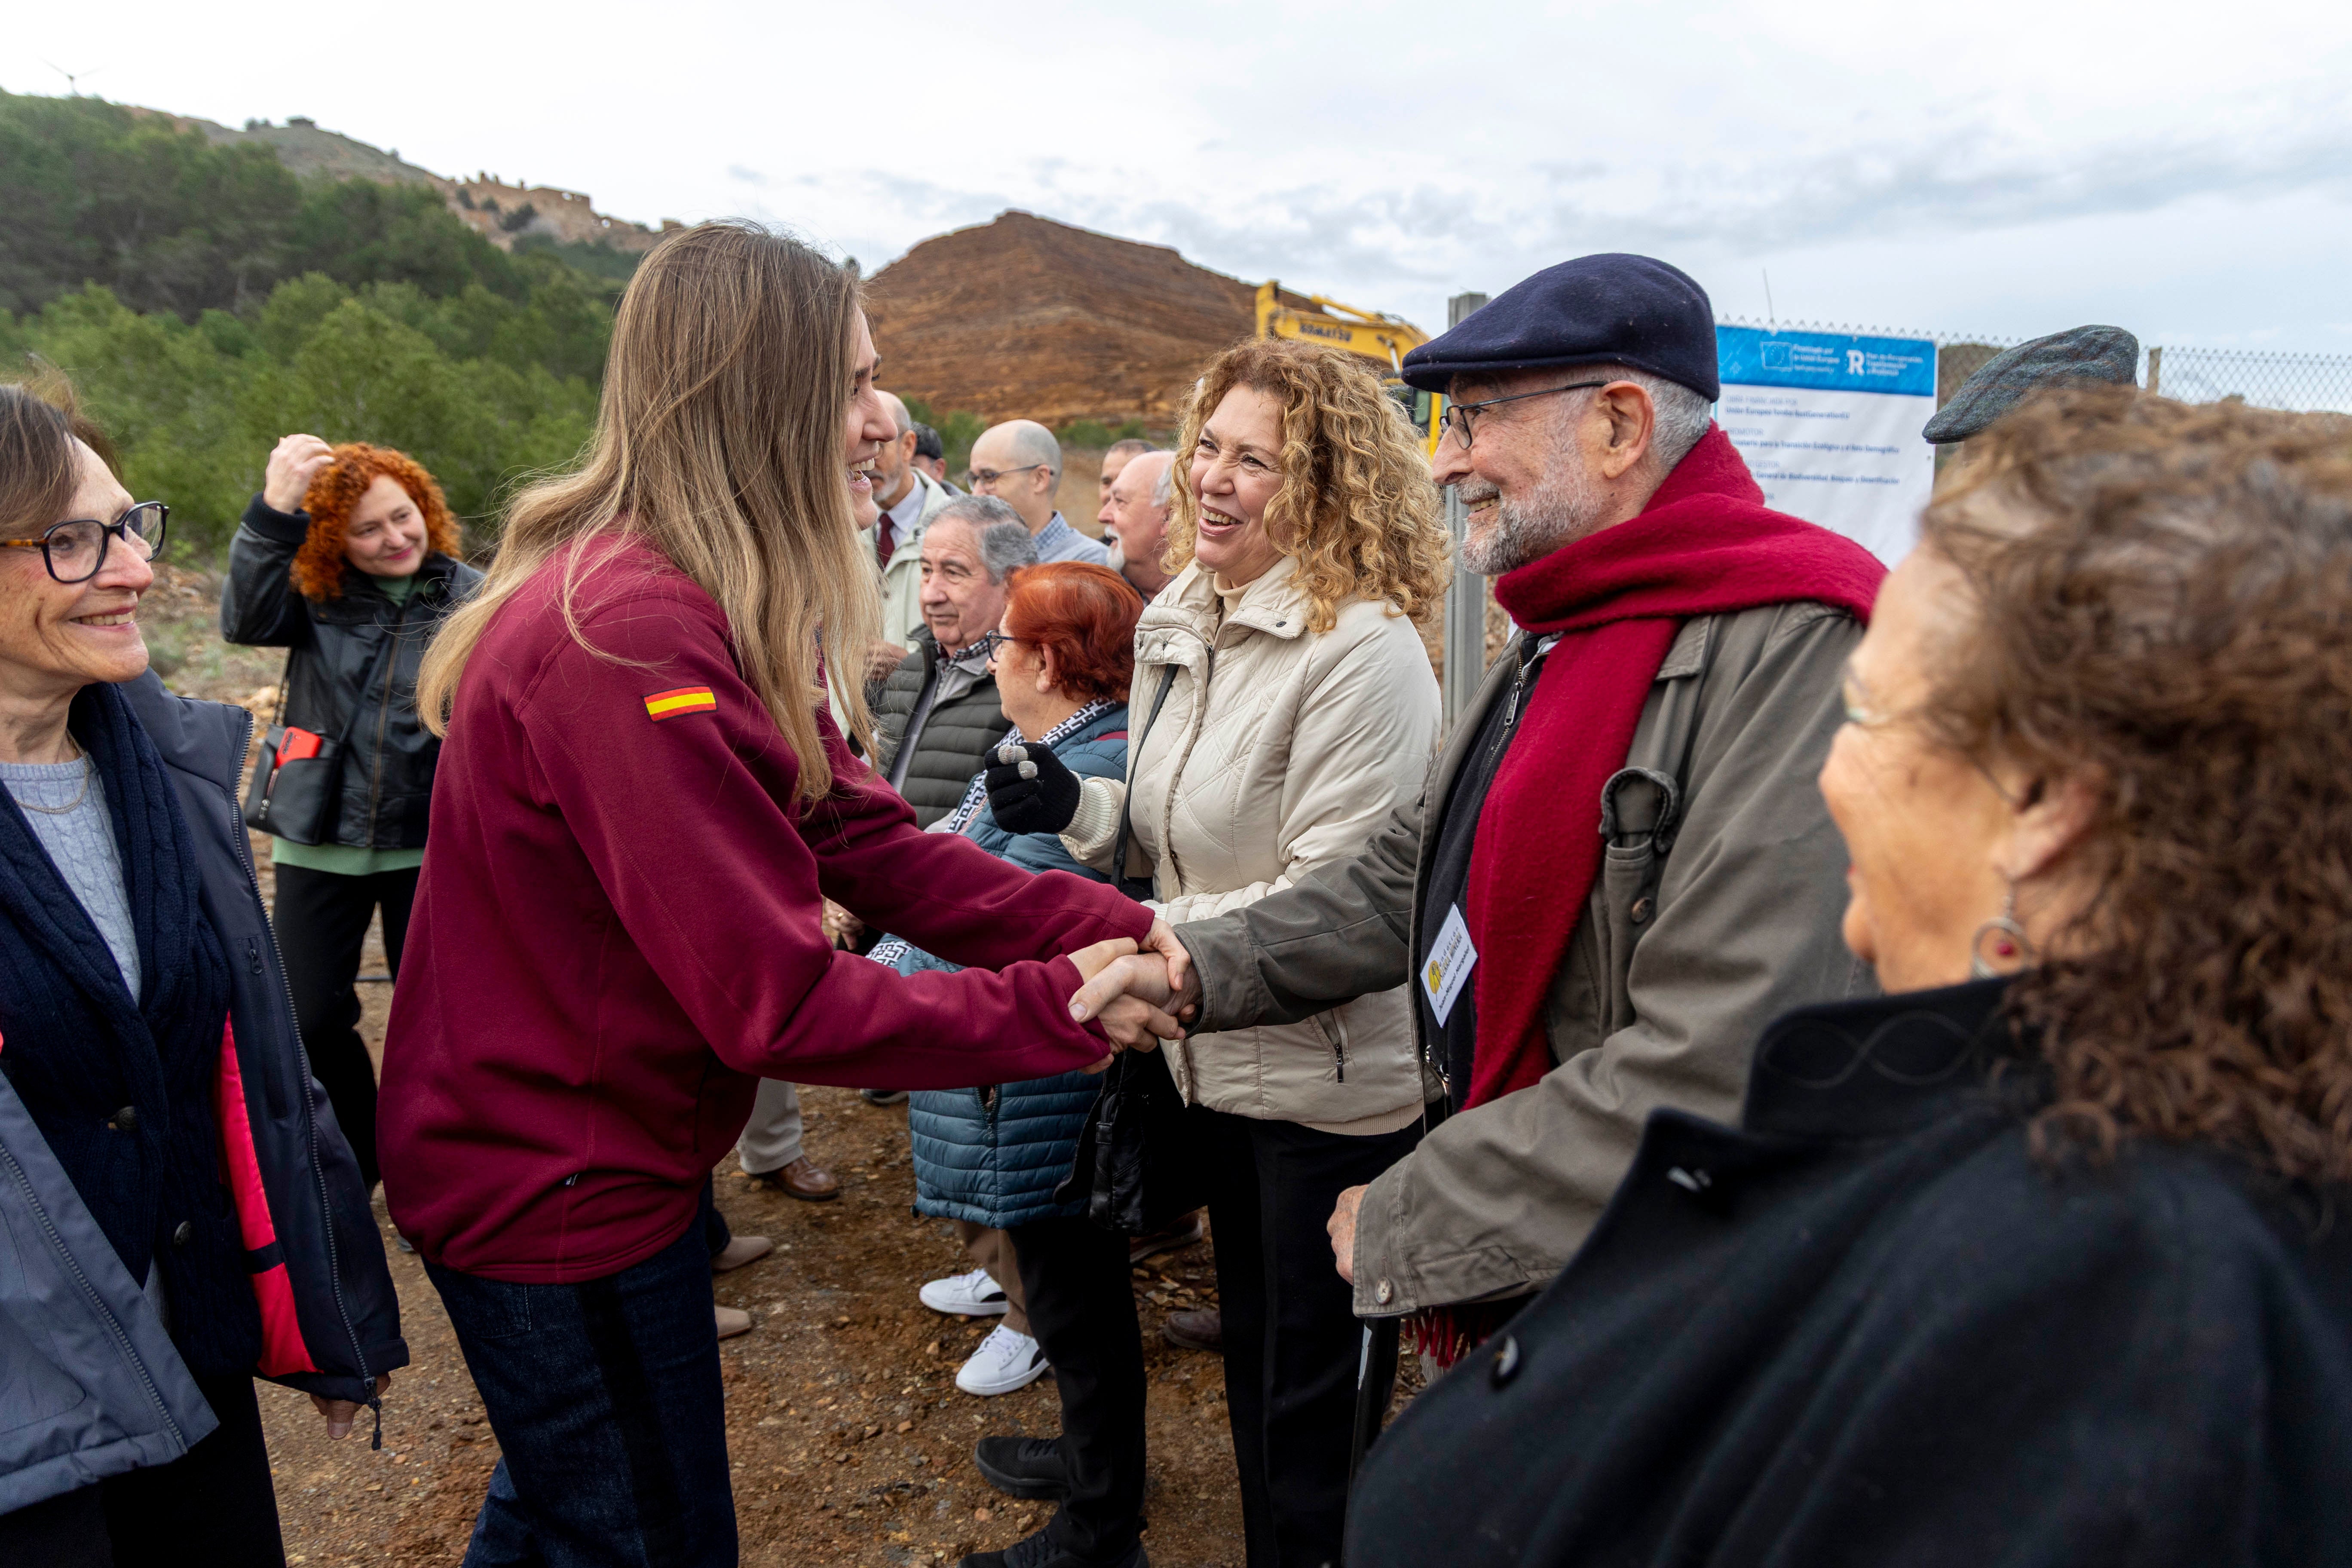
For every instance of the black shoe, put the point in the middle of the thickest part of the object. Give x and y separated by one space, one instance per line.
883 1096
1023 1467
1201 1329
1175 1238
1036 1552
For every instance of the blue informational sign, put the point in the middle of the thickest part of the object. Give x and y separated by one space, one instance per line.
1829 423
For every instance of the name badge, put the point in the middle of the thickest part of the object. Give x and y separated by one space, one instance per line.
1450 963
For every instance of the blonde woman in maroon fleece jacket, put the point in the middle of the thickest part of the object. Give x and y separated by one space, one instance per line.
641 804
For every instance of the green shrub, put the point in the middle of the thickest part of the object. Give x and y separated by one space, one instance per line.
1094 435
958 430
193 409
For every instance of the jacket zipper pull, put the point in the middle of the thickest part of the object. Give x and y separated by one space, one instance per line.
1518 685
376 1402
1519 682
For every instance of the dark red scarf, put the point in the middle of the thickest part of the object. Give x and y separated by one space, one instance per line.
1705 544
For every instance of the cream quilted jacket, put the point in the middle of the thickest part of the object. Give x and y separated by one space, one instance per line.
1277 751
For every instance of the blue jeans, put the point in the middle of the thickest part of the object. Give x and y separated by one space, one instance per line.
605 1397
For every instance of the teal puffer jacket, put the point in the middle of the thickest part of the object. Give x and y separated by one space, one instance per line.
994 1155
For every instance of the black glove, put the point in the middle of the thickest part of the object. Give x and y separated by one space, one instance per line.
1030 789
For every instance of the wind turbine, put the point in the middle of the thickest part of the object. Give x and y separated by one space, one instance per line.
73 78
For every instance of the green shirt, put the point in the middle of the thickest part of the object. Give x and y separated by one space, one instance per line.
344 859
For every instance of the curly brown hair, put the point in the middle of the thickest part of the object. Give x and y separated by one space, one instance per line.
2163 605
1356 507
319 565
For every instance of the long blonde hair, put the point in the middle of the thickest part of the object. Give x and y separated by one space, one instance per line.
719 442
1356 507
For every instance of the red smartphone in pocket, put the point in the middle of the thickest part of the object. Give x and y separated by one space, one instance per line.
295 744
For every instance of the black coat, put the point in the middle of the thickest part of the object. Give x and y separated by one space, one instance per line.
354 663
953 742
1873 1329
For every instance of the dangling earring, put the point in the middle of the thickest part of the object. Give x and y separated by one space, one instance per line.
1999 938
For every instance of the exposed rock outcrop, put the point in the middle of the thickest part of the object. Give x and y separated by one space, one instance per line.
1023 317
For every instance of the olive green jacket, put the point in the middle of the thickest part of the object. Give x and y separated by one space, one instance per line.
1674 971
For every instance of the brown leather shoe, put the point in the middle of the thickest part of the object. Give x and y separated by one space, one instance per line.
741 1250
803 1179
1201 1329
732 1321
1182 1234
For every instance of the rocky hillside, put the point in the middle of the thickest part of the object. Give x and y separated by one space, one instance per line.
1023 317
500 211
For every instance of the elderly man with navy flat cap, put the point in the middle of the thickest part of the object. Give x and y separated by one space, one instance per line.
1619 869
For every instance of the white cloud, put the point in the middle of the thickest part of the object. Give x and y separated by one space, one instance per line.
2010 167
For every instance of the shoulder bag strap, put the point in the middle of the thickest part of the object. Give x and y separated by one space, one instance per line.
1118 875
1690 743
285 684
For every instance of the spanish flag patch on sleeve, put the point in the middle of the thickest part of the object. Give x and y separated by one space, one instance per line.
685 699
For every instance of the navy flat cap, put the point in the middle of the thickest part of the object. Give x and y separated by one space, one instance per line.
1596 310
2082 354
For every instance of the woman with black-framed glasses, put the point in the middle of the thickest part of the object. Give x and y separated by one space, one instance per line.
75 550
180 1213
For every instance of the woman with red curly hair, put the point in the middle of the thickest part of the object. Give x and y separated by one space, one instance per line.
348 559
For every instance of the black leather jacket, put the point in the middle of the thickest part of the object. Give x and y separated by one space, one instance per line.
353 664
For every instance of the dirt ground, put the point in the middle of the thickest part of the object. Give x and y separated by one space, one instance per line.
851 1443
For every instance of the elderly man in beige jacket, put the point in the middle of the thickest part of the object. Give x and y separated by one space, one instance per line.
1712 880
906 499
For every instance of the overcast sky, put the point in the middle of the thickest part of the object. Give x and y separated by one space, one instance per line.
2184 170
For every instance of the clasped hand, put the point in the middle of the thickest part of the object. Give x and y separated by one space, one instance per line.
1143 995
1140 993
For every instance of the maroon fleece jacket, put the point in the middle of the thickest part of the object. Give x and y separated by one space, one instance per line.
617 932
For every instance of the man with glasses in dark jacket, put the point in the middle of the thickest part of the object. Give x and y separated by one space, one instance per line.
1621 869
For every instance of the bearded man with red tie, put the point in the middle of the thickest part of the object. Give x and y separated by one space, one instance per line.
906 497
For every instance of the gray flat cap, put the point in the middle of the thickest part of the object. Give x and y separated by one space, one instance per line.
2083 353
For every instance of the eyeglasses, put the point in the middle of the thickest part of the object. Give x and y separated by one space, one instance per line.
75 550
992 641
990 475
1457 414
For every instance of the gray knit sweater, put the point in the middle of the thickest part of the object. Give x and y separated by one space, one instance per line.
80 844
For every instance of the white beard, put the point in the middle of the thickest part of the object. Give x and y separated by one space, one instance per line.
1563 508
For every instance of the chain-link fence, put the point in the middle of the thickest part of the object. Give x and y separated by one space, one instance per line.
2300 383
2294 383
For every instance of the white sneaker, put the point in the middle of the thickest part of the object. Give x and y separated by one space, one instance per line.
972 1295
1005 1361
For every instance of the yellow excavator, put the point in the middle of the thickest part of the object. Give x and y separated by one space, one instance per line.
1370 334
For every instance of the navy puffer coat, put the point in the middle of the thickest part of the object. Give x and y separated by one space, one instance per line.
993 1155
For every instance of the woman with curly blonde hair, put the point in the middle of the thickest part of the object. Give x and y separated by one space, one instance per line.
348 559
1284 704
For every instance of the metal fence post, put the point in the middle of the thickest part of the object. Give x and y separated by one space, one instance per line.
1466 620
1465 600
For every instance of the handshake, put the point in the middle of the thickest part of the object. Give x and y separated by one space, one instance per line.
1142 994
